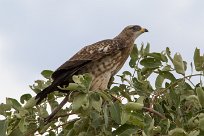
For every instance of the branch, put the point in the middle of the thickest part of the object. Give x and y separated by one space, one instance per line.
63 115
155 112
74 120
64 101
155 96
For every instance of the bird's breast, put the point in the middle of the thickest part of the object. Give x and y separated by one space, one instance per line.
108 64
103 69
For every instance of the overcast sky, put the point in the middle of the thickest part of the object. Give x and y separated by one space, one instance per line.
42 34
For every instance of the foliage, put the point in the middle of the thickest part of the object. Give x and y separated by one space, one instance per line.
157 98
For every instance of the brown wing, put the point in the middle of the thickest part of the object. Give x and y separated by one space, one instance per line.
87 55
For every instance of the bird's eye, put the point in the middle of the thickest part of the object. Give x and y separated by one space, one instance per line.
136 28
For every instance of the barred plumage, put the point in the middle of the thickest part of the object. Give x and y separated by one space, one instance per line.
102 60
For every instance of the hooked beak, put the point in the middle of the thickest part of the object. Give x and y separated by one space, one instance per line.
144 30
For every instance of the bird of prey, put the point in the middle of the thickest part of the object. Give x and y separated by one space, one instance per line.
101 60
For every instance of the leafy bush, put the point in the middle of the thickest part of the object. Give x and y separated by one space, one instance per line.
157 98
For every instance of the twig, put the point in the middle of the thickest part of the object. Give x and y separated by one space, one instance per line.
191 82
155 112
173 85
63 124
63 115
64 101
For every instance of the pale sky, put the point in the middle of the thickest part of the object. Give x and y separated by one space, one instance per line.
42 34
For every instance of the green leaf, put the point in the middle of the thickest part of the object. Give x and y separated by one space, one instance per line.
193 122
71 87
134 56
193 99
13 103
166 68
127 73
51 133
39 84
185 65
165 125
96 119
96 101
84 81
159 81
194 133
3 127
198 60
120 90
136 120
52 102
82 134
178 132
158 56
125 116
150 127
80 125
81 100
134 53
127 132
175 97
134 106
23 125
77 78
67 128
141 99
105 114
167 75
47 74
4 108
132 63
23 112
87 79
25 97
168 52
115 112
43 130
105 96
16 132
30 103
148 121
141 51
150 62
200 94
179 64
164 57
43 112
147 49
146 72
31 127
201 124
201 133
124 130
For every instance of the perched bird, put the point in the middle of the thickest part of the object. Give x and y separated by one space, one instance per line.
101 60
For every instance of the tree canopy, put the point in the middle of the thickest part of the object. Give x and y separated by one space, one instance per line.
163 95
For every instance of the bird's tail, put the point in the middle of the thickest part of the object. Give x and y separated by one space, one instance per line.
43 94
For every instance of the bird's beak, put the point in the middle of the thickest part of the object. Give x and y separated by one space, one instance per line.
144 30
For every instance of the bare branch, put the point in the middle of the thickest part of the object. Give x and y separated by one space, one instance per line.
64 101
155 112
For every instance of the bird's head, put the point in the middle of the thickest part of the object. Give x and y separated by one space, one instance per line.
132 32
